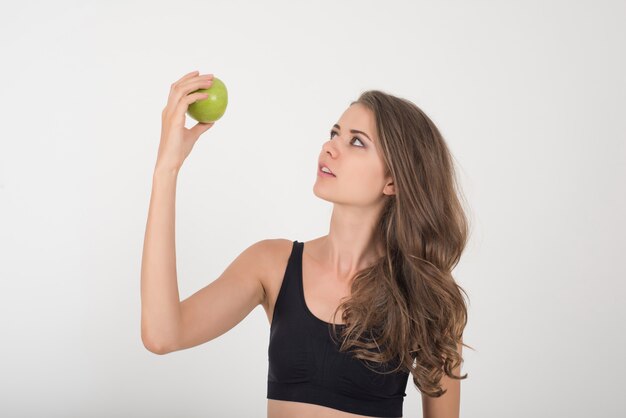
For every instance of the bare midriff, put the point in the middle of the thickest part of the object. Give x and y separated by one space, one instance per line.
289 409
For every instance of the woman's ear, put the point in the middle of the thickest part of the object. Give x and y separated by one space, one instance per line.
389 189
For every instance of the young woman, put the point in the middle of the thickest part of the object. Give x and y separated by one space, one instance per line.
397 230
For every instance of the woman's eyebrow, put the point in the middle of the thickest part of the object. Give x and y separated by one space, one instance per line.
354 131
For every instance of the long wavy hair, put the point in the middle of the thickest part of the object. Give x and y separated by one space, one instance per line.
407 305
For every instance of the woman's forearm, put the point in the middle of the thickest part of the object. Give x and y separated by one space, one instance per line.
160 300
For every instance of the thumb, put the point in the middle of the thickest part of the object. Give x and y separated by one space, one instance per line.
200 128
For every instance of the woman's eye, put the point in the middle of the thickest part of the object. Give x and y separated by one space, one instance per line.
360 146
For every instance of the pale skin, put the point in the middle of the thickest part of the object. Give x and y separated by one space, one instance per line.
254 277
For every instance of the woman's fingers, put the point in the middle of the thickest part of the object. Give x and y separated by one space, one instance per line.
196 78
177 141
200 128
173 87
184 103
195 84
186 86
185 77
175 116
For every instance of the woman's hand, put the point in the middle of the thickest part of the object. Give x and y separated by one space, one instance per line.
176 140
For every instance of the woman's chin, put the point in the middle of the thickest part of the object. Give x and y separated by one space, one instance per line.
321 194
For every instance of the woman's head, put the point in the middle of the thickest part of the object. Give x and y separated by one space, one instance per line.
352 154
408 299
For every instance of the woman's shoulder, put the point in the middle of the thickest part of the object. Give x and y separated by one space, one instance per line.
274 253
273 256
274 246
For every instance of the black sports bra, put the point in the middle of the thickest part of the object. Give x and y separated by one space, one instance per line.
305 364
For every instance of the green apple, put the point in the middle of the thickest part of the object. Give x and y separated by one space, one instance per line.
213 107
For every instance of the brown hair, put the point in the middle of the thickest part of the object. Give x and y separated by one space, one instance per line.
408 301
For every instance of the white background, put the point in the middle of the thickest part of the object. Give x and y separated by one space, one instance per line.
529 95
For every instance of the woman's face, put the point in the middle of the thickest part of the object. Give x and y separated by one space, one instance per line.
354 159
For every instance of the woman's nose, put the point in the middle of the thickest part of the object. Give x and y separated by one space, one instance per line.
328 146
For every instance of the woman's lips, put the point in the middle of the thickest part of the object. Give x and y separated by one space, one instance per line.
321 173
